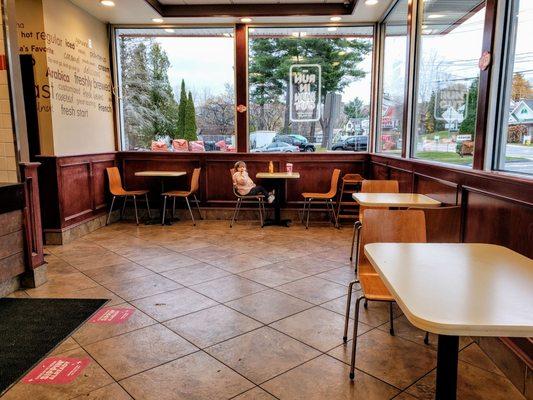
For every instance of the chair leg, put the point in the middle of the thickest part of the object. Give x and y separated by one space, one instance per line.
110 210
308 210
173 207
391 319
123 207
135 206
198 206
164 211
235 213
426 338
302 216
190 211
148 206
347 315
260 211
356 241
334 215
354 342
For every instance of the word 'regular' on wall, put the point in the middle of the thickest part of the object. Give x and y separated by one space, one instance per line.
72 76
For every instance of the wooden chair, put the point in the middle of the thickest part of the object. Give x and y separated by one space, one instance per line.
325 197
370 186
256 198
381 226
116 189
184 194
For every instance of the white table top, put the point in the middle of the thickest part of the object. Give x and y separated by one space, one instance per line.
161 173
278 175
459 289
395 200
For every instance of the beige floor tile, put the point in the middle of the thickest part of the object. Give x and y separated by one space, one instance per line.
210 253
167 262
273 275
98 260
404 396
239 263
189 244
137 351
142 287
269 306
212 325
19 294
310 265
63 283
92 378
376 314
196 273
176 303
255 394
326 378
317 327
314 290
472 384
67 345
118 273
228 288
342 275
94 332
392 359
278 253
262 354
109 392
475 356
197 376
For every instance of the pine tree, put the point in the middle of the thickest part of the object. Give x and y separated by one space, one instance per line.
190 120
182 110
354 109
468 126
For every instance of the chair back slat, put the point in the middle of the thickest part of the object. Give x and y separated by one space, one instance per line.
377 186
334 182
391 226
195 180
115 182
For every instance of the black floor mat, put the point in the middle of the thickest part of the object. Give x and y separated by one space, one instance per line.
31 328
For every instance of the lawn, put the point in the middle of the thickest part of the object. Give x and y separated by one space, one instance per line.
454 158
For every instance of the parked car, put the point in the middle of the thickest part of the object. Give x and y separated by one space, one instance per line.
277 147
352 143
295 140
261 138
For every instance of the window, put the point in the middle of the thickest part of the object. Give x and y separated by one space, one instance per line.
390 128
516 149
310 83
176 89
448 76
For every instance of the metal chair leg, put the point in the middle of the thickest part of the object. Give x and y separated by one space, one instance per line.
235 212
135 206
334 215
148 206
173 207
123 207
198 205
354 340
308 211
355 243
347 315
190 211
110 210
303 212
391 319
164 211
259 201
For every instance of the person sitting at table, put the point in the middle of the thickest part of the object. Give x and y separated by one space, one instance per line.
244 184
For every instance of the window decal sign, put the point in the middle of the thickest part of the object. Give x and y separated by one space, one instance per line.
304 92
57 370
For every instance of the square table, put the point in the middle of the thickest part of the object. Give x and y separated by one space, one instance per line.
460 289
161 175
395 200
278 179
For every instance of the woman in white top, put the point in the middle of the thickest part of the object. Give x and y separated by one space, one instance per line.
244 184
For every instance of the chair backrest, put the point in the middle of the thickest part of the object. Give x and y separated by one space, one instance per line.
195 180
377 186
115 183
391 226
352 178
380 186
334 182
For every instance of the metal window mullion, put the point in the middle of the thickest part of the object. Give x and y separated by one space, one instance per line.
415 6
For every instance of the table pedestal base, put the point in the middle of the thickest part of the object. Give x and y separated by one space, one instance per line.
447 359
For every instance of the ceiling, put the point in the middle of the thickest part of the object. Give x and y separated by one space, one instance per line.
140 12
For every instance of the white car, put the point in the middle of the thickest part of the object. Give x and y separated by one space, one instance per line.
277 147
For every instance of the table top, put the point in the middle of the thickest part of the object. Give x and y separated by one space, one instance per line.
161 173
459 289
278 175
395 200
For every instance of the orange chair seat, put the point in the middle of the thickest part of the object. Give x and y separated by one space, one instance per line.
122 192
374 288
318 195
177 193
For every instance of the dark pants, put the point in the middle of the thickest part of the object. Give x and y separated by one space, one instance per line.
258 190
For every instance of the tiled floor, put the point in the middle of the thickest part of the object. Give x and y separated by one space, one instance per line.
242 313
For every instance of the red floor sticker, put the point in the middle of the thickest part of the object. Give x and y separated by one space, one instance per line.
57 370
110 315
